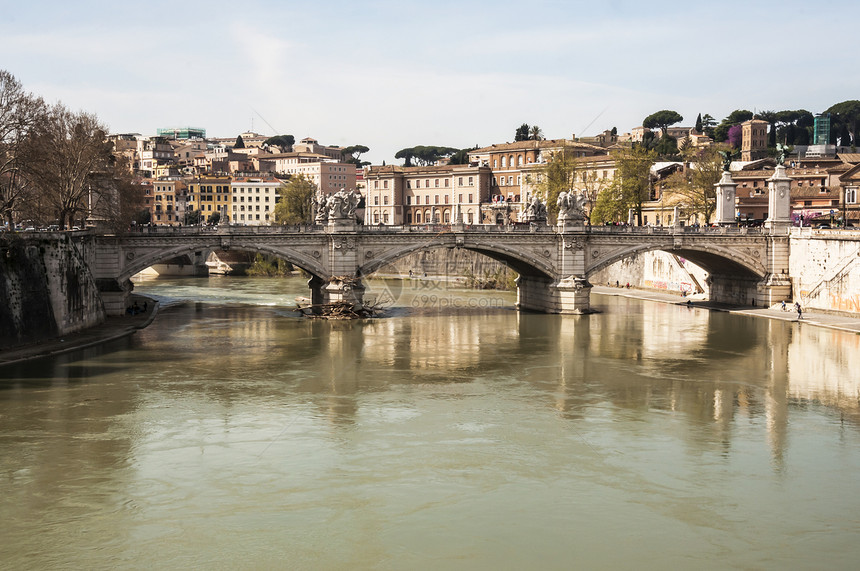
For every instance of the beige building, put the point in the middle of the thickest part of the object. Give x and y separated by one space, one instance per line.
425 195
510 163
329 175
253 200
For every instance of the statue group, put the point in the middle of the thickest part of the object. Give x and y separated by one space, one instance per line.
338 206
571 206
534 211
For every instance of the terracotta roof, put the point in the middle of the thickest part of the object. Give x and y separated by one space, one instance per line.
853 158
532 145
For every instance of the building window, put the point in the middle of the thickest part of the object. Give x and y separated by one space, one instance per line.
376 200
471 183
384 184
850 196
385 199
470 198
408 199
460 181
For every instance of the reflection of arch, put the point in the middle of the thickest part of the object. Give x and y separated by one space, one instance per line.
715 260
152 257
524 263
500 218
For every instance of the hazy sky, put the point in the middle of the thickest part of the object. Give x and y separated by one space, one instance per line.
394 74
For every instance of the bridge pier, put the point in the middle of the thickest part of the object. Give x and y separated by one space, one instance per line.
341 289
570 295
114 295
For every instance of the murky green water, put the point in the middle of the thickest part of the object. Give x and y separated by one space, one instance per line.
454 434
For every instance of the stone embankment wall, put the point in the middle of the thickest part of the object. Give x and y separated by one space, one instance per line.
449 263
825 269
651 270
46 288
654 270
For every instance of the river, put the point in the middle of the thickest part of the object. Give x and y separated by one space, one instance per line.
453 433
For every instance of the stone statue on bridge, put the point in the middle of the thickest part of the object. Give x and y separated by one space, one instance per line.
342 205
534 211
571 206
322 208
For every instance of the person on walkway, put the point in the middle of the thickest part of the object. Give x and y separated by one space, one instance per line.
783 305
799 309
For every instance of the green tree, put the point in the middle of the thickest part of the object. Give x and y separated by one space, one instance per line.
461 157
240 143
736 117
771 118
630 187
295 205
352 154
192 217
693 188
556 176
284 142
698 125
522 133
846 114
535 133
708 124
662 119
424 155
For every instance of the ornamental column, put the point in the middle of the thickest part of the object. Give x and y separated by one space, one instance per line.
726 192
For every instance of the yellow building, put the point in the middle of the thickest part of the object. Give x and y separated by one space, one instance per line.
210 194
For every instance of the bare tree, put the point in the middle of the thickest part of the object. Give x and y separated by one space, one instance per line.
20 112
74 156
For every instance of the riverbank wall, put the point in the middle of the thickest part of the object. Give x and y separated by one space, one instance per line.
46 289
825 270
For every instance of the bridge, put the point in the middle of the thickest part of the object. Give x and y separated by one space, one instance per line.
747 266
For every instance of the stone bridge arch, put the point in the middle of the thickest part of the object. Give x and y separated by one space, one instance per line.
522 260
140 260
739 272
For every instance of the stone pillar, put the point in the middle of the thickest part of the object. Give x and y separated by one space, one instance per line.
778 202
726 209
676 213
350 290
776 286
114 295
572 291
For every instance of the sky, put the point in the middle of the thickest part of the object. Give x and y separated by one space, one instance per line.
396 74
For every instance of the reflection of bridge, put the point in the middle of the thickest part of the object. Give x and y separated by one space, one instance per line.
746 266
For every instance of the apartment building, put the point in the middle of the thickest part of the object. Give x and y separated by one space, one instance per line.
253 200
511 162
168 201
441 194
329 175
210 194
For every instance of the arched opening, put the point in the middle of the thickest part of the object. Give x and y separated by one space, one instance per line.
706 275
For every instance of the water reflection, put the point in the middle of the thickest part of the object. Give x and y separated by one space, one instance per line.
225 427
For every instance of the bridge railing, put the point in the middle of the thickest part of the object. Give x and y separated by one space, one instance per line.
456 228
673 230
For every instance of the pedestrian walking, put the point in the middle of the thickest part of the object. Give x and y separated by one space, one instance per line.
783 305
799 309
